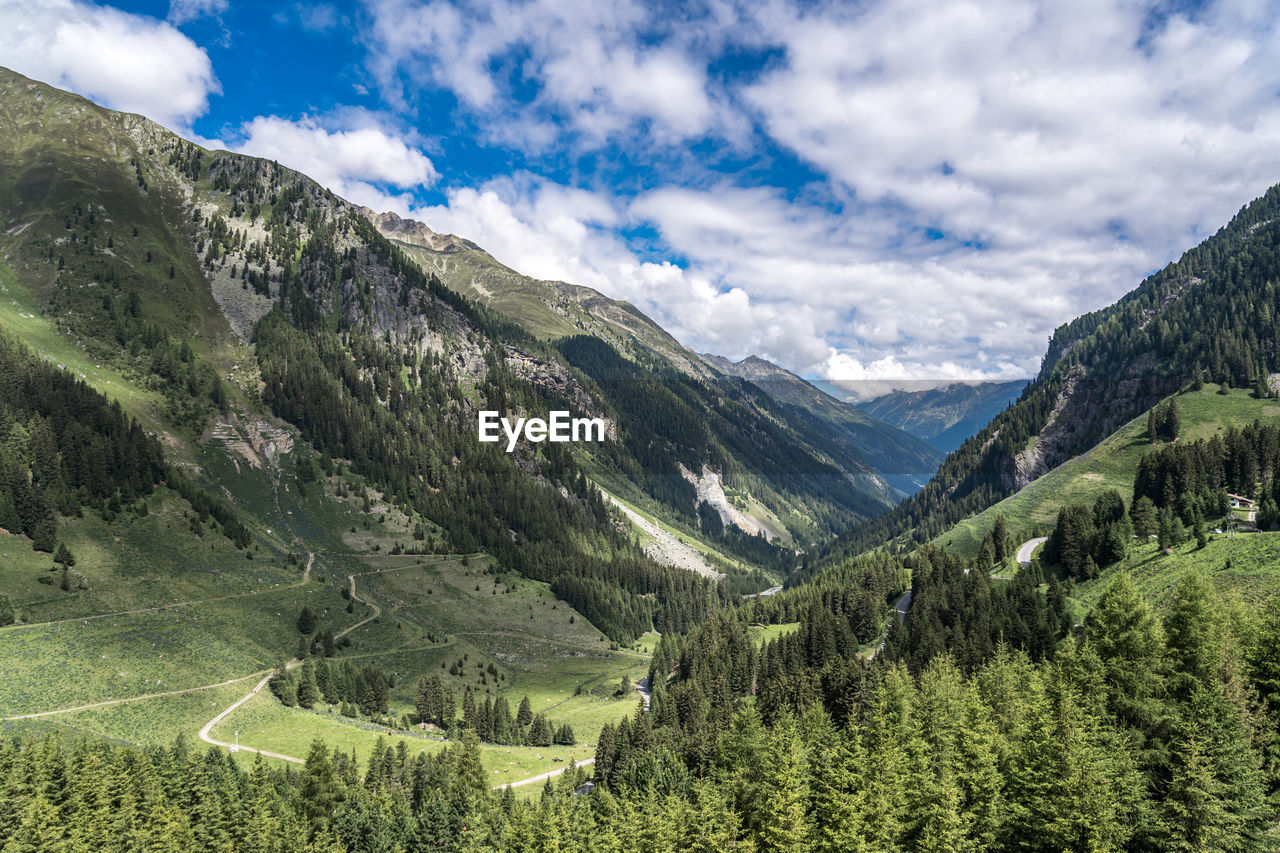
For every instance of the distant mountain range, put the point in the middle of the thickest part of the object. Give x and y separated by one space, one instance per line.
904 460
945 416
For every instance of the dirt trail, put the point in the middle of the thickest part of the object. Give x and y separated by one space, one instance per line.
306 578
205 731
542 777
110 702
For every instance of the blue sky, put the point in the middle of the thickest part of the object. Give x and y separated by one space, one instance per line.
881 190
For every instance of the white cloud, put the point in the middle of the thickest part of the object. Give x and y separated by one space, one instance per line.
181 11
1037 129
988 170
124 61
358 160
588 61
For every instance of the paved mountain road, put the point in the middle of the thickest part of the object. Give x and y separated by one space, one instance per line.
1028 548
541 777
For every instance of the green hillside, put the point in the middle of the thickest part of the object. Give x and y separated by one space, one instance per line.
1111 464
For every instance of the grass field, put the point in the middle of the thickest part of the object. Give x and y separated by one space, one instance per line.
166 610
1245 567
539 645
264 723
1109 465
146 721
20 315
761 634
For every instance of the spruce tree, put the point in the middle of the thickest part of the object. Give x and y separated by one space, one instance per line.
308 690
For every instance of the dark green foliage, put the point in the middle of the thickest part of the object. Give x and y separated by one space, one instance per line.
434 701
1085 539
1164 421
306 621
1192 480
63 556
209 505
63 446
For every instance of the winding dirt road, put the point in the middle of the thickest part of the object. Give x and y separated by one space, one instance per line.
205 731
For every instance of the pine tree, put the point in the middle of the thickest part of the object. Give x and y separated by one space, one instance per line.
306 621
784 820
540 731
40 831
308 690
1143 517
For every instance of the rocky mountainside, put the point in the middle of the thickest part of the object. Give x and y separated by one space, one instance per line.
546 309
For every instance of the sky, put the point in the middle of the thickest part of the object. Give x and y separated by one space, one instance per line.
887 190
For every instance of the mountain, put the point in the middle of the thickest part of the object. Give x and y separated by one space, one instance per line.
220 299
883 462
546 309
902 459
944 416
1210 315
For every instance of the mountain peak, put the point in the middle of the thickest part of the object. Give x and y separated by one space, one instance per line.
416 233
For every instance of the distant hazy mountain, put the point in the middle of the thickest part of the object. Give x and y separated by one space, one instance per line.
946 416
901 458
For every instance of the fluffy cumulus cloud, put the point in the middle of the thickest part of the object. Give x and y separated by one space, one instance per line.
988 170
1055 151
541 68
125 61
350 154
